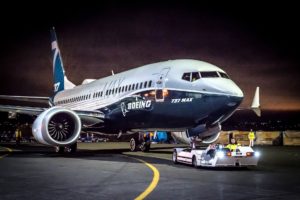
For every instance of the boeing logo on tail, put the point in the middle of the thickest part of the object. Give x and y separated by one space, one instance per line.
60 80
56 87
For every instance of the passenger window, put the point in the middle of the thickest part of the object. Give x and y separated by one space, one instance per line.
195 76
145 84
186 76
141 85
150 84
209 74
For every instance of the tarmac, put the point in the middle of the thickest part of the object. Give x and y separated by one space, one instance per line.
111 171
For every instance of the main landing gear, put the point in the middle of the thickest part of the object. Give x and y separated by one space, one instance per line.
140 142
69 149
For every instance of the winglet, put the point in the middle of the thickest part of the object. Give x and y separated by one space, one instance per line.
255 103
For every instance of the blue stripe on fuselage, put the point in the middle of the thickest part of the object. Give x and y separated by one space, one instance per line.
179 109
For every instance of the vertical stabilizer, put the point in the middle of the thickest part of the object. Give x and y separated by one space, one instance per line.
61 82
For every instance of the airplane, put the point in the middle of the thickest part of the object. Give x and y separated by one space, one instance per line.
184 95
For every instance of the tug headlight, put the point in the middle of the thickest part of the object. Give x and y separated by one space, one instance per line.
220 154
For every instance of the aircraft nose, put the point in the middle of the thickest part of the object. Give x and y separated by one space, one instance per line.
224 86
235 90
230 88
236 95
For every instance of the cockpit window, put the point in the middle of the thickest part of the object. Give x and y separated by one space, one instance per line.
186 76
209 74
195 76
223 75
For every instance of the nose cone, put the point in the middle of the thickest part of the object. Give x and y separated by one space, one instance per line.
235 90
223 86
236 95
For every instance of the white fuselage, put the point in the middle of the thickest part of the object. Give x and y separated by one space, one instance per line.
163 75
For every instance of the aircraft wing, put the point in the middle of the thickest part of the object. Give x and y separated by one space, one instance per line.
33 99
88 118
33 111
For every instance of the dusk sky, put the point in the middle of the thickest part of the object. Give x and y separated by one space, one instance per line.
257 45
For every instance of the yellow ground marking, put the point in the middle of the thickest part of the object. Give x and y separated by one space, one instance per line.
8 149
154 182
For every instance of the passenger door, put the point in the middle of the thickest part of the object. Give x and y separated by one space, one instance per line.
160 84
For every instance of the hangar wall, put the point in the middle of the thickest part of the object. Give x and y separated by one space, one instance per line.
288 138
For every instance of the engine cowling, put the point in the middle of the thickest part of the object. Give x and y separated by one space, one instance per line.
201 132
57 126
211 139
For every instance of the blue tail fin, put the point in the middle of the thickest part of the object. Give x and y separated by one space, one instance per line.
60 80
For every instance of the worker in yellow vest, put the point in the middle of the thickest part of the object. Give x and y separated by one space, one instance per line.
233 145
251 137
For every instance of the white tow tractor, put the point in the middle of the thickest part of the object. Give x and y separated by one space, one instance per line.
216 156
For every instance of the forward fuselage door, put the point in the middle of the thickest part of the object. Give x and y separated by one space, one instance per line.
160 84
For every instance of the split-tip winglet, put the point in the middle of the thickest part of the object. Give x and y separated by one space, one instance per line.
255 103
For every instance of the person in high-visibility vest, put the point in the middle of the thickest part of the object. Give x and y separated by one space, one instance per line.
233 145
251 137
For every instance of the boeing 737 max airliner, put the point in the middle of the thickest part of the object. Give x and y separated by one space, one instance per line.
176 95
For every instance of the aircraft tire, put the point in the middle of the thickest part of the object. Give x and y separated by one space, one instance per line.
194 162
145 147
72 148
59 149
174 157
133 144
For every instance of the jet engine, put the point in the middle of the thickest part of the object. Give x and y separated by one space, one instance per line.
201 133
211 139
57 126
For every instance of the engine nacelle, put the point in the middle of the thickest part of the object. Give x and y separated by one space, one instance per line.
57 126
211 138
201 132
